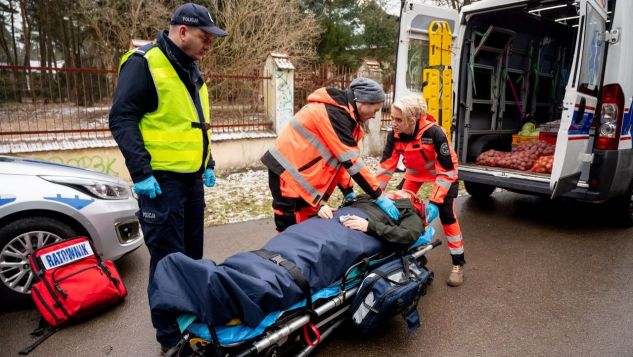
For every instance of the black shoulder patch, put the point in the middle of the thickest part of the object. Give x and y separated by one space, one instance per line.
143 49
339 96
342 123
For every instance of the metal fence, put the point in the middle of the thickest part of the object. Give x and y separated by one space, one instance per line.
49 108
46 108
388 84
309 79
237 102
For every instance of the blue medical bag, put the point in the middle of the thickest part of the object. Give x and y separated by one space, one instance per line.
391 289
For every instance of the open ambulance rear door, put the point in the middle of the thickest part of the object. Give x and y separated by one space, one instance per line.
575 136
413 43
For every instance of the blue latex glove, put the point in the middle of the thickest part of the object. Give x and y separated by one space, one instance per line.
431 211
148 187
387 205
350 196
209 178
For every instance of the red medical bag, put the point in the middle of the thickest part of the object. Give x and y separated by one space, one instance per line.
73 281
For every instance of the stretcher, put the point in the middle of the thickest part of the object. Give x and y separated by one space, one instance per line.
298 329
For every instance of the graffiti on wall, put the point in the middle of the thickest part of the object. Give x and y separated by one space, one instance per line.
93 162
284 91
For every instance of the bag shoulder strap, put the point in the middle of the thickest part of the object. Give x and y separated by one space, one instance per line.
42 331
296 274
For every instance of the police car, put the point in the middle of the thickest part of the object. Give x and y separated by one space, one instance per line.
43 202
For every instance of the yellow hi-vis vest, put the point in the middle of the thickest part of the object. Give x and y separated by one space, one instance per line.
172 133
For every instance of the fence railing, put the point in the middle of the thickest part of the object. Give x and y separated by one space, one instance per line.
44 105
388 84
308 79
237 102
50 106
47 106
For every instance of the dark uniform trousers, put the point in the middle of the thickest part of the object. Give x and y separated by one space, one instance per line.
172 222
288 210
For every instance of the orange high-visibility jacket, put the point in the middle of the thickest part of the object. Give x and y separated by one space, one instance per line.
428 157
318 144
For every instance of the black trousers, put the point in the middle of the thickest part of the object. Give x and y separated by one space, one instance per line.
172 222
287 210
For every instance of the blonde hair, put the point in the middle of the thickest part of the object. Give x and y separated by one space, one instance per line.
412 107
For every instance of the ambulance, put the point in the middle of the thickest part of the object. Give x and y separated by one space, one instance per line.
560 69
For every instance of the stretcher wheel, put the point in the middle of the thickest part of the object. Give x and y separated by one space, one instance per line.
422 260
272 351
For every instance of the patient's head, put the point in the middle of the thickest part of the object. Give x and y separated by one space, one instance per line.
401 194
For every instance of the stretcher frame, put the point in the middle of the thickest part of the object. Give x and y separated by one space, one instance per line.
278 339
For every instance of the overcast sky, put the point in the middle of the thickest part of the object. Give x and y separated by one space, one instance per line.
393 7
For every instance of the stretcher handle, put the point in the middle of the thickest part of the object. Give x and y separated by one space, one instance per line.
436 243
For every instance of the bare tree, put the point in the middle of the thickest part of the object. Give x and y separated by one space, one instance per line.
3 41
12 12
258 27
111 24
26 32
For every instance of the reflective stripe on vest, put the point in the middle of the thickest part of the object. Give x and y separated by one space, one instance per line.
294 173
356 167
380 171
169 137
315 142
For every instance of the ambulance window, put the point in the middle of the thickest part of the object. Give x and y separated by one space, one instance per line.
592 53
417 59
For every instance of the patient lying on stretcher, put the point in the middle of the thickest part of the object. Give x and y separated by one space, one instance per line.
248 286
404 232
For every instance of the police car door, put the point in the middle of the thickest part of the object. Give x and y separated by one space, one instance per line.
413 43
575 141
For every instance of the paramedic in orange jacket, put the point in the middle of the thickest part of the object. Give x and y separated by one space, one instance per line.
428 157
318 150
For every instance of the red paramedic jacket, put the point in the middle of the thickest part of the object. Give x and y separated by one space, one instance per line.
428 157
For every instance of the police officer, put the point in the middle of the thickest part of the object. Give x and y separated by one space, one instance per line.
160 119
428 157
318 150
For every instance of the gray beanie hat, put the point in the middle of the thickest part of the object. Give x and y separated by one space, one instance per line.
367 91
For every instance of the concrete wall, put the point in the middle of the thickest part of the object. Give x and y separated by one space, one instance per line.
231 152
104 159
230 155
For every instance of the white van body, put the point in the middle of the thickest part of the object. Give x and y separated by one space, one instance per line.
565 65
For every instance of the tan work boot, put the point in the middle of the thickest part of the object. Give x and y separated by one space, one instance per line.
456 277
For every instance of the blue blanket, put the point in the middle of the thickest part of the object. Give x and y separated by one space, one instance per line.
248 286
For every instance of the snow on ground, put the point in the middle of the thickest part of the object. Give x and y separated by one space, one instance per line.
244 196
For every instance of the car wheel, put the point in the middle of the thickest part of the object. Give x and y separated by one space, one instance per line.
478 190
18 239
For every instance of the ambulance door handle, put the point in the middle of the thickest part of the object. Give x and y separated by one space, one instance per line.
581 110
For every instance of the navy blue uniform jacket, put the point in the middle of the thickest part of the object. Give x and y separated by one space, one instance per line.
135 95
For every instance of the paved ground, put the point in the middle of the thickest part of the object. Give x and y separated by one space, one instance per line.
543 279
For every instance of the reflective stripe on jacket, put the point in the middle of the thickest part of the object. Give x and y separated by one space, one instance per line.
318 144
428 157
173 134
